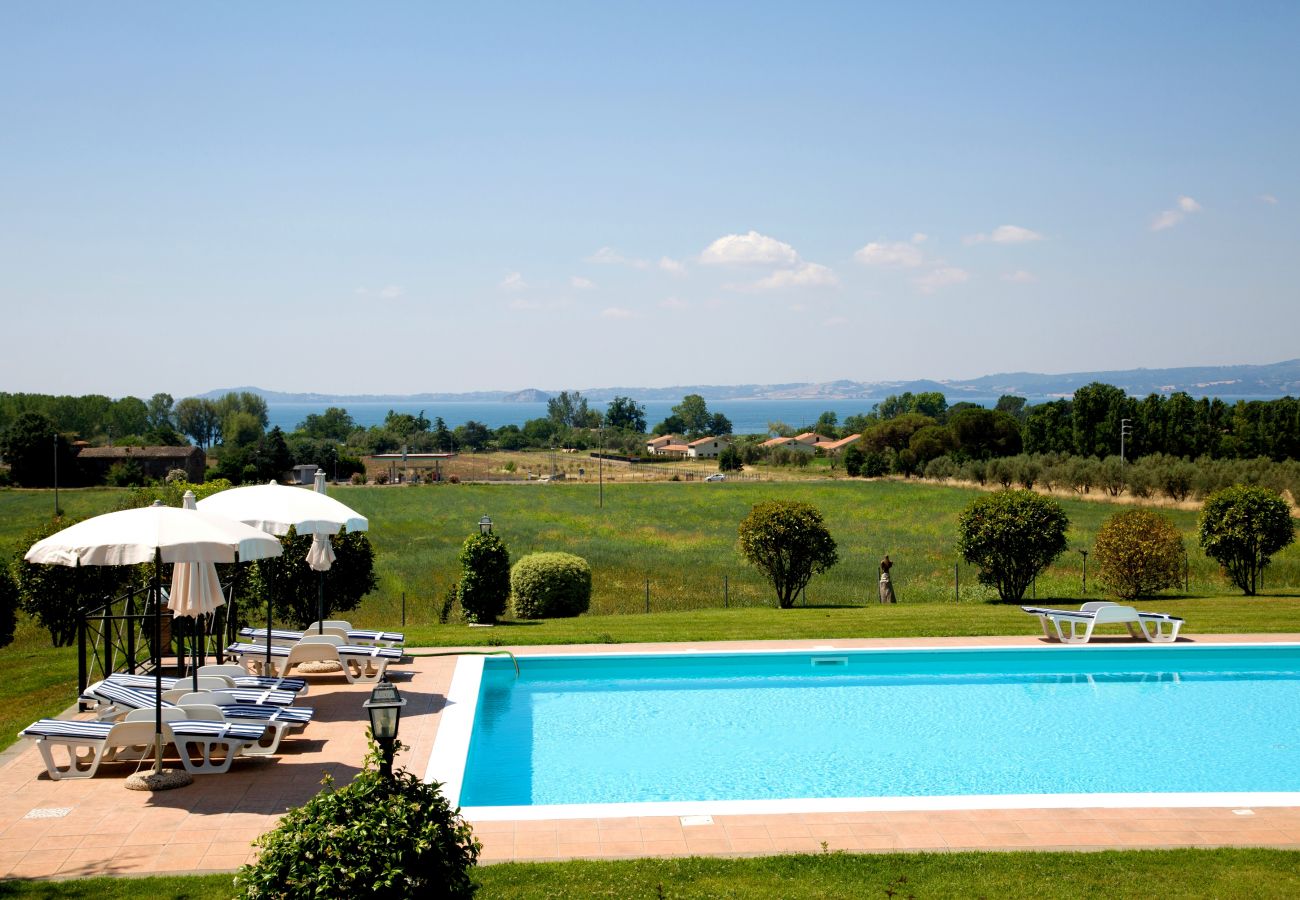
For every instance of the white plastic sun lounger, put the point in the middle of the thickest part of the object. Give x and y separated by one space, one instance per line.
1157 628
265 695
358 637
90 743
278 721
361 665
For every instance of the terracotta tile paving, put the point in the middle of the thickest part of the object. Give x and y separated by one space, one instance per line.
210 825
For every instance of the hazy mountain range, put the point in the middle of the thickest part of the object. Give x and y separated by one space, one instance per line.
1272 380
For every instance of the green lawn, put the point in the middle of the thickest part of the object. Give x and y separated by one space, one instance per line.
1168 874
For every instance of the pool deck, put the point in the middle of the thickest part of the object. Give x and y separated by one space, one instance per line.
82 828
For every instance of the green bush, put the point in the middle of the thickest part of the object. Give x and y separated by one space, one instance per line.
8 606
788 542
1011 536
296 587
484 578
1241 527
375 837
550 586
1139 552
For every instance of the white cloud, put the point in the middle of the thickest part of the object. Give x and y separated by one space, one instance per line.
891 253
943 276
582 284
1170 217
1269 199
920 237
1020 276
749 249
672 266
806 275
674 303
1004 234
608 256
616 312
513 282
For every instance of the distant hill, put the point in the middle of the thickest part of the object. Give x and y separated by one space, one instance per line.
1272 380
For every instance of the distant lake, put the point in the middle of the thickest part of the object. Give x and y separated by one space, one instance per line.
747 416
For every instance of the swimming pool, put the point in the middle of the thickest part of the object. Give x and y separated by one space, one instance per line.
783 730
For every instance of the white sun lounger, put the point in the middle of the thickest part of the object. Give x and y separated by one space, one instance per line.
90 743
1157 628
292 686
357 636
361 665
277 720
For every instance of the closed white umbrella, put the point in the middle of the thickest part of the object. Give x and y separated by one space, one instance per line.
275 508
158 534
195 593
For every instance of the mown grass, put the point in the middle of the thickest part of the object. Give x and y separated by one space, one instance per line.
1169 874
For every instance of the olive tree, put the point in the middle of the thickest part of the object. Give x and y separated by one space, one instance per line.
788 542
1241 527
1011 536
1139 552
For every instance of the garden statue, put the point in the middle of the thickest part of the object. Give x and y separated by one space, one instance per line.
886 586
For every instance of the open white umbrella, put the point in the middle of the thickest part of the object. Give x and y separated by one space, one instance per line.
195 593
275 508
157 534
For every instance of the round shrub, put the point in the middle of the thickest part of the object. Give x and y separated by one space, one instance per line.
1011 536
375 837
1139 552
1241 527
550 586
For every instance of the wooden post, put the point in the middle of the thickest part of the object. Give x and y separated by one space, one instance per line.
956 582
726 592
647 595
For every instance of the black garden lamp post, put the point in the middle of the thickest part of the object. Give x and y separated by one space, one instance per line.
385 709
485 525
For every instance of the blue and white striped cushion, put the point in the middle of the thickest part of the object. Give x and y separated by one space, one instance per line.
294 714
67 728
245 649
393 637
125 697
372 652
245 682
204 728
360 634
260 698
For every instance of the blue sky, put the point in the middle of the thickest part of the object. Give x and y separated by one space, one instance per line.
416 197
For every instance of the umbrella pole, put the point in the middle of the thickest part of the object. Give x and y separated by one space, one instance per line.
320 602
200 632
270 595
157 667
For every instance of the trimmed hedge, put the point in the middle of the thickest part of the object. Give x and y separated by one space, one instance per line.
550 586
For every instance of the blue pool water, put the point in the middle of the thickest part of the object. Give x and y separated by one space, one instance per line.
885 723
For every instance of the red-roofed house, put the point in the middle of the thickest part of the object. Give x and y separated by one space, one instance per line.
707 447
834 447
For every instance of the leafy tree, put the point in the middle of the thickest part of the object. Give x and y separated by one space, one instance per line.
1095 417
540 432
674 424
567 410
332 425
853 460
857 424
1139 552
1011 405
295 586
788 542
53 594
404 425
550 585
1241 527
694 414
1011 536
894 433
198 419
443 440
29 445
729 460
129 415
904 462
1049 428
626 414
931 442
984 433
485 578
240 429
874 464
159 413
8 606
778 428
510 437
719 425
375 837
474 435
828 424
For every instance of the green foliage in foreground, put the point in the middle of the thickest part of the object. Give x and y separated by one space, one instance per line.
1169 874
374 837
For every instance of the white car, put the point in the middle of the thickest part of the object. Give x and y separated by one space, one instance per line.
716 476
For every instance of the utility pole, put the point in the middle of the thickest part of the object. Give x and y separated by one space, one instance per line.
1125 431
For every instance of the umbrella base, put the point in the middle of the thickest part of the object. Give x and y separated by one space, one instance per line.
164 780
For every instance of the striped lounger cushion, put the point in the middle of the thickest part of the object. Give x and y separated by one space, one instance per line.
70 729
389 653
247 682
293 715
391 637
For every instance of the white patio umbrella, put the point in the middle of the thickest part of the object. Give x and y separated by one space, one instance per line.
157 534
275 508
195 592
